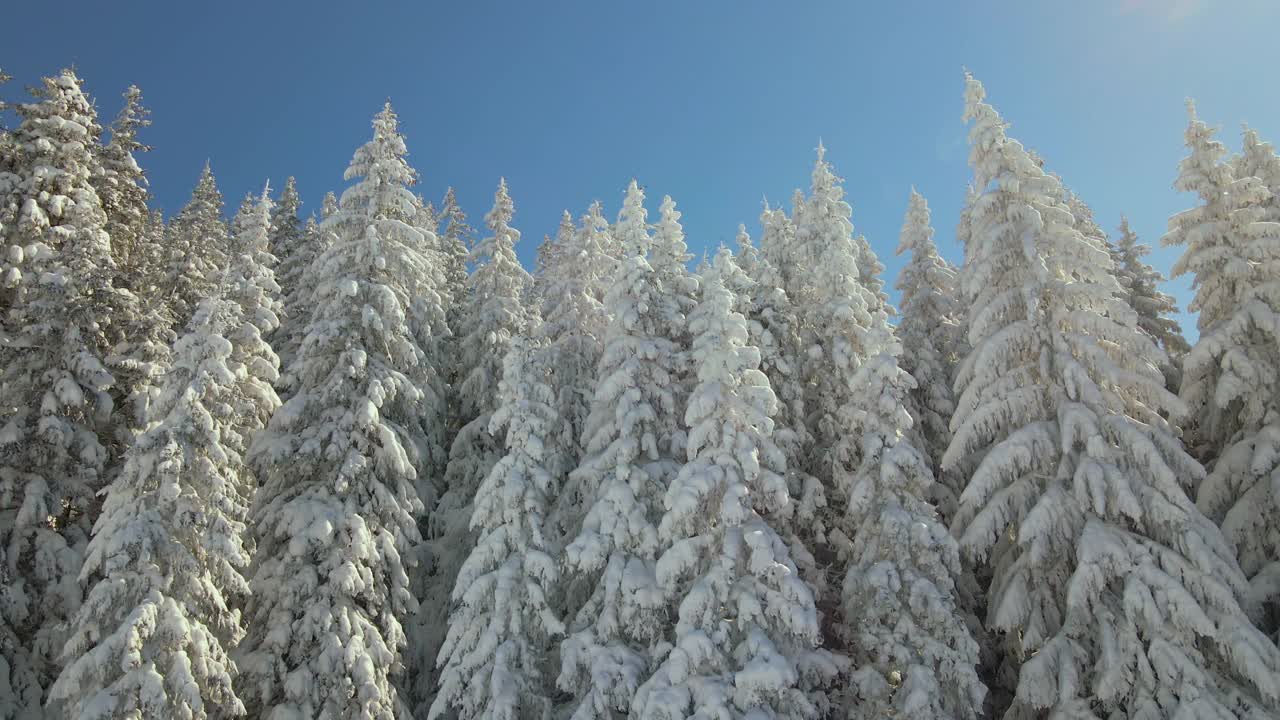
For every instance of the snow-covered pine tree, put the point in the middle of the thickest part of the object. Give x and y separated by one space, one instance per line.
143 332
56 407
777 245
502 627
669 256
596 233
670 260
336 517
1232 375
122 186
496 313
1117 596
1141 284
838 313
455 244
902 624
199 245
546 256
745 644
296 288
931 342
286 225
10 272
870 270
773 328
427 218
256 296
573 327
328 206
1258 159
153 636
151 258
632 451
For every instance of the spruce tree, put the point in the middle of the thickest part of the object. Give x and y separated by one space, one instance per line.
199 247
496 314
56 407
902 623
143 332
1259 159
596 233
573 326
122 186
1117 596
833 321
632 446
931 344
455 244
336 517
745 641
286 226
11 259
1232 375
1141 284
296 287
773 328
501 628
153 636
256 297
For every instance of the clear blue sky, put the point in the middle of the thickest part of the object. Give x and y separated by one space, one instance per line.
716 103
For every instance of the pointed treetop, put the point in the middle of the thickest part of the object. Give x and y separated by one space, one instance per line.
133 116
633 231
503 209
917 231
289 195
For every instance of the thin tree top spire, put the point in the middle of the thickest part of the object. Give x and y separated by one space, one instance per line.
633 230
917 230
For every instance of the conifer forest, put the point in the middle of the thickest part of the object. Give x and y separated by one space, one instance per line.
358 463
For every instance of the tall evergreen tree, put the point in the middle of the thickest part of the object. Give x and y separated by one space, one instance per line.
930 336
596 233
902 621
1259 159
573 326
1117 596
296 287
631 449
773 328
501 629
335 519
122 186
834 319
152 638
1232 375
199 247
56 409
670 257
11 259
286 225
745 642
256 297
143 332
455 244
1141 284
496 314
